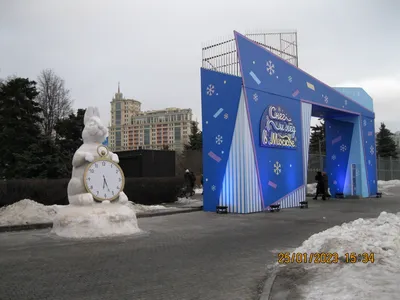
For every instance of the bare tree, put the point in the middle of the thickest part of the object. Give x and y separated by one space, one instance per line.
54 99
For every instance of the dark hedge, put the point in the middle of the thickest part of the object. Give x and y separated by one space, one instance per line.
148 191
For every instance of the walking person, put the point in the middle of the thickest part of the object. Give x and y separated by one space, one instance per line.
201 181
192 182
188 182
320 186
326 185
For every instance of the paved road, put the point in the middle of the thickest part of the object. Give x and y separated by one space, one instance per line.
181 257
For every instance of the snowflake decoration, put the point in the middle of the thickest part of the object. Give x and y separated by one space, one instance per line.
333 157
357 172
373 181
326 98
210 90
270 67
255 97
372 150
277 168
369 162
343 148
206 179
345 102
213 188
290 78
335 182
365 122
226 116
218 139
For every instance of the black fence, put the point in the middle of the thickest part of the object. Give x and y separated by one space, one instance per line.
147 163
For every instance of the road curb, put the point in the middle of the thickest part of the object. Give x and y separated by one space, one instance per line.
269 283
24 227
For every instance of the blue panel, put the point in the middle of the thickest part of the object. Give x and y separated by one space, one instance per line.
241 188
105 143
280 170
368 134
359 95
220 95
338 136
262 70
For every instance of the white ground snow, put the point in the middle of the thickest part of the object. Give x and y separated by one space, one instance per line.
189 202
94 221
30 212
387 188
27 212
379 280
311 188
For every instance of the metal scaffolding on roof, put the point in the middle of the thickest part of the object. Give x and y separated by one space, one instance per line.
221 55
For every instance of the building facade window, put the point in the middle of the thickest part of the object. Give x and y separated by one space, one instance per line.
118 138
177 133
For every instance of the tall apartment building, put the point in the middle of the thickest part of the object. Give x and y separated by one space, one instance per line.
133 129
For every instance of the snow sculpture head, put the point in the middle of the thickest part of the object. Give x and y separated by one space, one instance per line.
93 135
94 131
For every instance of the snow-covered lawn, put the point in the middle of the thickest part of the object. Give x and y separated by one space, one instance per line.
367 281
30 212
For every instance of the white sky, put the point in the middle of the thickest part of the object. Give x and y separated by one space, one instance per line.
154 47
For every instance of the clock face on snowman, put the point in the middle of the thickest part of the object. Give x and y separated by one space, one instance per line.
104 179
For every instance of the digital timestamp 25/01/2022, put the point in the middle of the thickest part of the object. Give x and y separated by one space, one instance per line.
325 258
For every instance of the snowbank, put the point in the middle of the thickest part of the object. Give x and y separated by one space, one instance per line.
311 188
378 280
389 188
94 221
149 208
189 202
27 212
30 212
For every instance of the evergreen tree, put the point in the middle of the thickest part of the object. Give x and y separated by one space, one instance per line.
19 121
41 160
318 137
24 151
69 136
385 144
195 138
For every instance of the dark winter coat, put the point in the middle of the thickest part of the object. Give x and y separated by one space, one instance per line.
320 183
192 178
188 179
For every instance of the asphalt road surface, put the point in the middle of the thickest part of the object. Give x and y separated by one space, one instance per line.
180 257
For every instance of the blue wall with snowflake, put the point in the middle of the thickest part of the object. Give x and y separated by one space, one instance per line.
255 140
368 134
280 168
220 101
338 135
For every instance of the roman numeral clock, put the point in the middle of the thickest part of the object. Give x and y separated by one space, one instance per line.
104 178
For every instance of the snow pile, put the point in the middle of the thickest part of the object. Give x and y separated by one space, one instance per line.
311 188
27 212
189 202
30 212
198 190
389 188
149 208
378 280
94 221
